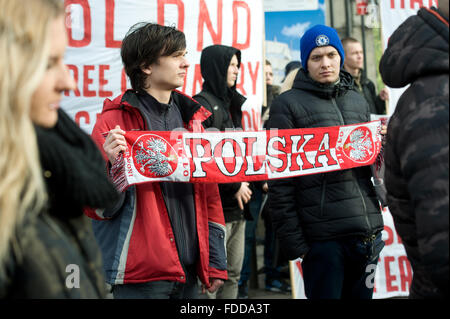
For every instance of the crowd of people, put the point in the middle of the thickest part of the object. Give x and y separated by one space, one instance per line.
60 210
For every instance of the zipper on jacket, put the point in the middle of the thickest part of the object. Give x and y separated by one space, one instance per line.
364 205
165 120
179 242
341 119
182 239
338 111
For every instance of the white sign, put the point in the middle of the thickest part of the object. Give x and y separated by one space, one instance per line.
393 14
96 29
290 5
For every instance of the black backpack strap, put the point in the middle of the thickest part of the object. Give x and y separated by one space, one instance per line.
214 106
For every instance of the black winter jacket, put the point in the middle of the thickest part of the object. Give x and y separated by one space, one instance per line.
321 206
417 146
225 105
368 90
54 249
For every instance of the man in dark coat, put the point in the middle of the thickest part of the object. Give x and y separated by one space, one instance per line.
354 62
220 68
333 220
416 151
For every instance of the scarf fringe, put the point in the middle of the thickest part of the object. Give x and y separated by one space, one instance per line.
117 174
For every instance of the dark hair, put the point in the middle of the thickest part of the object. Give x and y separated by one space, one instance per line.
348 40
291 66
144 44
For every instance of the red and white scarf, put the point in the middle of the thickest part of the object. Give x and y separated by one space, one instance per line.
228 157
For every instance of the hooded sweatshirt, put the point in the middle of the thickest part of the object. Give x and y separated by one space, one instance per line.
416 150
225 105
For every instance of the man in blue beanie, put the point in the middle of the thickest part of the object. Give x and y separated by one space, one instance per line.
333 220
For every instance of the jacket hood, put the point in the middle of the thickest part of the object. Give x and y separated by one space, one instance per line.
419 47
214 64
304 82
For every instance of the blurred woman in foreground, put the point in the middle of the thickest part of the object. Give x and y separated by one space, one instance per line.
50 170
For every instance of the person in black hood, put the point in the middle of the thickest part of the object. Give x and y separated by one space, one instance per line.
416 151
220 68
333 220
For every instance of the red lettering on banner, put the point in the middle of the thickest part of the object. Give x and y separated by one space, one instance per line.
102 82
299 266
413 3
402 5
256 119
246 119
180 6
236 44
296 151
240 86
199 160
80 115
203 19
87 81
123 81
251 121
249 141
324 150
185 82
390 232
405 272
229 166
74 69
109 26
197 80
87 24
253 75
251 159
389 278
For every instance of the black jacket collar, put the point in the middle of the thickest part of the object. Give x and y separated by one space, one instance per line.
304 82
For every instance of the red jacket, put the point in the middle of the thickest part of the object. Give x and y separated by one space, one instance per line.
136 238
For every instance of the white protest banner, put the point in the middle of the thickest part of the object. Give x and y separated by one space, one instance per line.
96 28
393 274
393 14
290 5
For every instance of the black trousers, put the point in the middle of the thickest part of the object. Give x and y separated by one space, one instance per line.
341 268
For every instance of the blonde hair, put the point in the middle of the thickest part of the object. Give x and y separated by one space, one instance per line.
289 80
24 51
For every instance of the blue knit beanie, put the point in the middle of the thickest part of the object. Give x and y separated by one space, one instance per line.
319 36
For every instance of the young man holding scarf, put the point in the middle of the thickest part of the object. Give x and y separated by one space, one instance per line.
161 236
333 220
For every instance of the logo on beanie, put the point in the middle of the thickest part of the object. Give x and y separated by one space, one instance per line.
322 40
